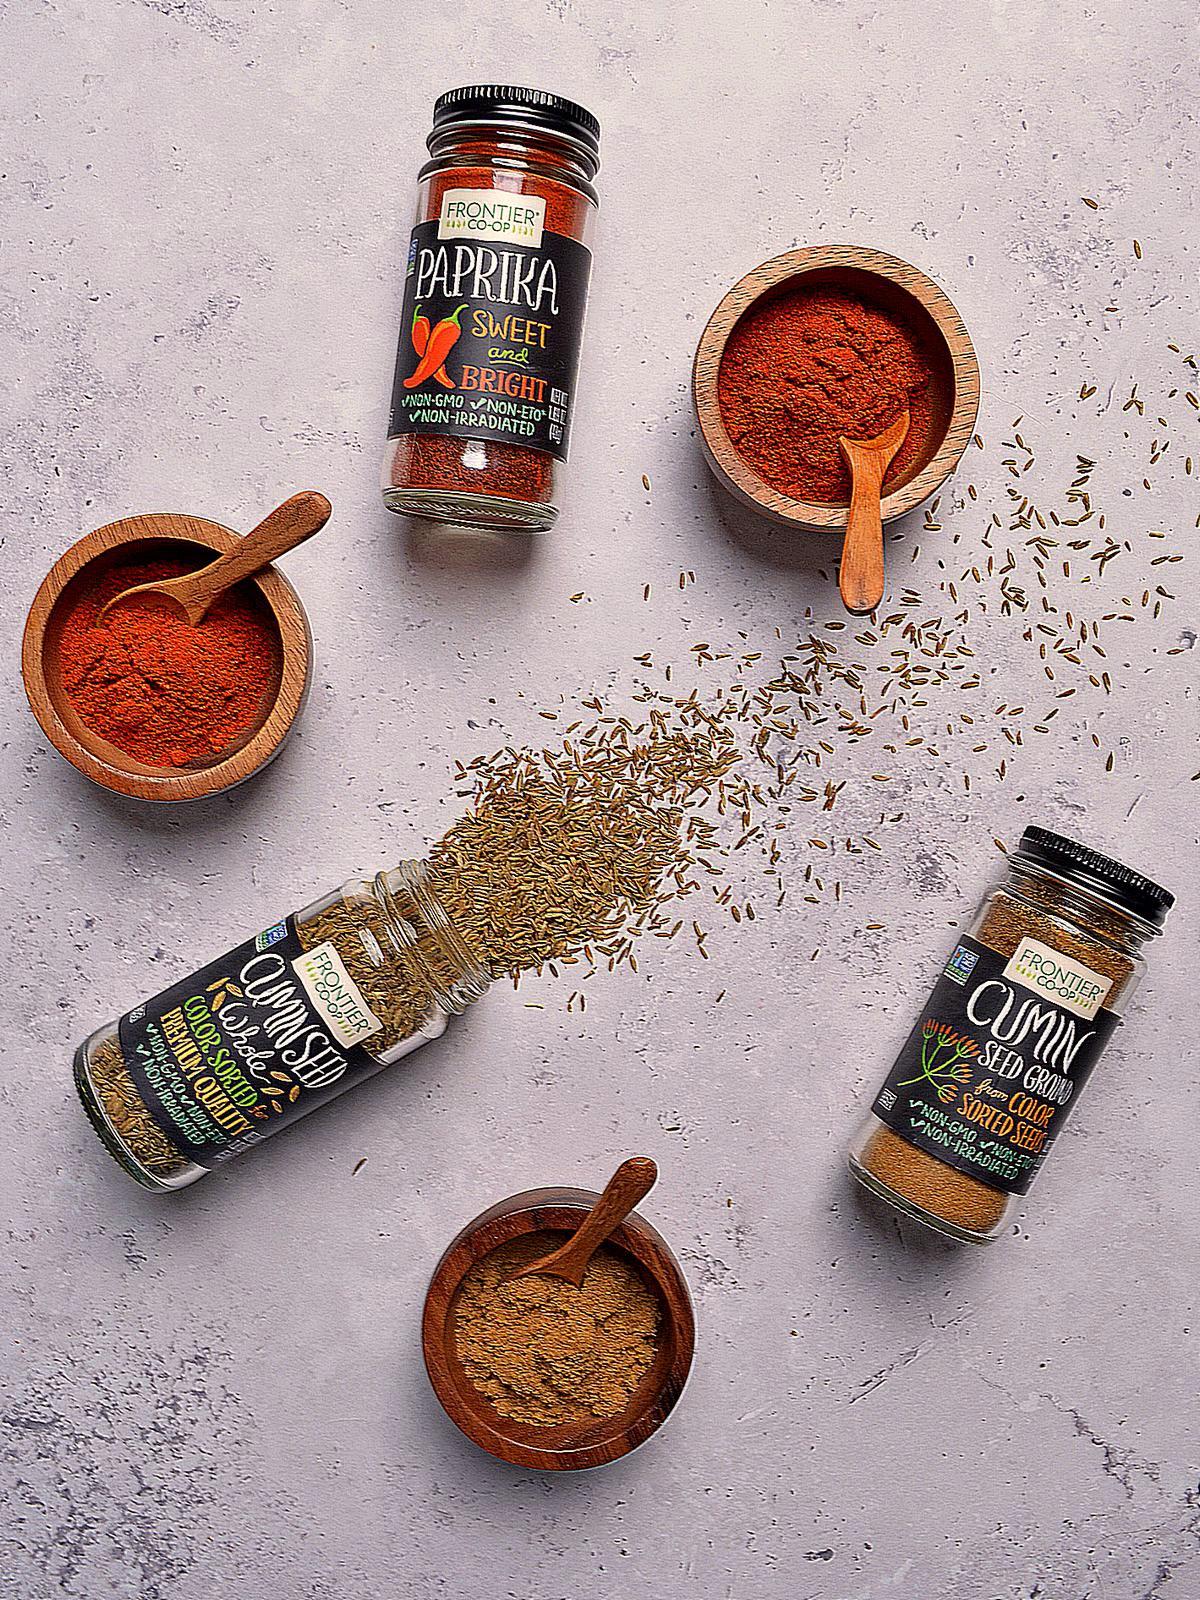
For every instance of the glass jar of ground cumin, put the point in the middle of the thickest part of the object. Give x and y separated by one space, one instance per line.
494 300
278 1026
1023 1007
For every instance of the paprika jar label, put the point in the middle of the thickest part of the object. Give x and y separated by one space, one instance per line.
249 1043
492 324
988 1075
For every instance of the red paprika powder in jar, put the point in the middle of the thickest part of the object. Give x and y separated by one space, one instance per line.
808 367
494 303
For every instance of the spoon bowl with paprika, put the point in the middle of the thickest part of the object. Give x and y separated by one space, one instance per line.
824 343
142 702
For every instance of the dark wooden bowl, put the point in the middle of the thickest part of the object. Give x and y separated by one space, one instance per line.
890 283
160 533
558 1212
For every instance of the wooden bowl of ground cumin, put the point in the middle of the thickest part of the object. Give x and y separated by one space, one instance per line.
544 1375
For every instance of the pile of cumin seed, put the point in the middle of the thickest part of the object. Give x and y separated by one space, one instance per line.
569 854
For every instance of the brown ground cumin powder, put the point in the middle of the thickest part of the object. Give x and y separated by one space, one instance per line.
1039 910
546 1353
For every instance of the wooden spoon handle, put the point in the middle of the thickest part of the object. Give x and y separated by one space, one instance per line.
861 576
282 530
631 1182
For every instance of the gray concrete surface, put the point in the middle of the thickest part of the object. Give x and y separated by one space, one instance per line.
205 206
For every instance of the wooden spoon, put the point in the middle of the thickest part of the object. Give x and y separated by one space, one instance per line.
631 1182
861 575
193 593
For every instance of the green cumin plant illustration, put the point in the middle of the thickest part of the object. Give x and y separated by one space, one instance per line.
943 1052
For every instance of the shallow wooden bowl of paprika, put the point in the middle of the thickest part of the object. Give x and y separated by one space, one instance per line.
893 285
140 538
557 1213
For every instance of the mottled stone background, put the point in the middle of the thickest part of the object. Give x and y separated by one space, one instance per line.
204 207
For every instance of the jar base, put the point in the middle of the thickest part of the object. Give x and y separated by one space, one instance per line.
96 1115
493 512
102 1124
915 1212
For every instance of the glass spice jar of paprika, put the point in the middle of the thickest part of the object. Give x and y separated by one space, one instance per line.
1015 1024
494 301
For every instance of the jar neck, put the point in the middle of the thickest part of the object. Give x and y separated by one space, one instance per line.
521 147
422 934
1091 913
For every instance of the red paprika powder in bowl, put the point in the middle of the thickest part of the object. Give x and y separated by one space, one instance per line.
142 702
828 342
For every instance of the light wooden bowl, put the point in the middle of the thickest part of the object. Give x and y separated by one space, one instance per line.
558 1212
892 284
133 537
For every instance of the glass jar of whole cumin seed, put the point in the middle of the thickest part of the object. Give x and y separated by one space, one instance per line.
286 1021
494 301
1015 1024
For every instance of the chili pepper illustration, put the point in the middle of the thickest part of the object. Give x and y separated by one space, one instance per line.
442 340
420 340
420 331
